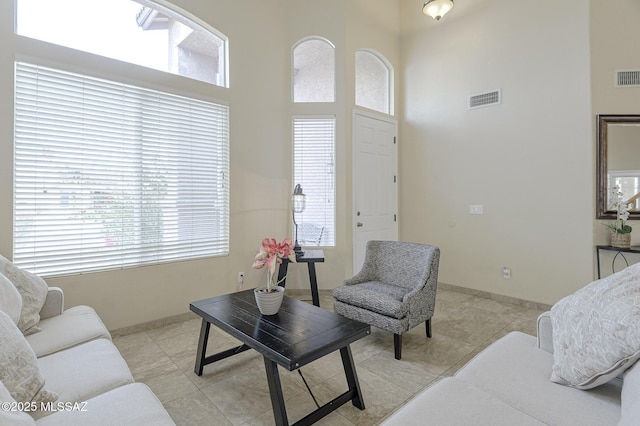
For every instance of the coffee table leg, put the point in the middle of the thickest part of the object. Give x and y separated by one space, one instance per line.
202 347
275 390
352 377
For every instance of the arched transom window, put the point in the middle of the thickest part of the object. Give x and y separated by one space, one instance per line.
373 81
140 32
313 72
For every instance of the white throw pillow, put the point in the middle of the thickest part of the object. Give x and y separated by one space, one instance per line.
9 415
630 408
596 330
19 367
10 299
33 290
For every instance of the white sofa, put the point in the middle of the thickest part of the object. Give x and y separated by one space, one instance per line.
508 384
79 362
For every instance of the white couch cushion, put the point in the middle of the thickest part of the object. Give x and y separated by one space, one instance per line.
455 402
84 371
75 326
596 330
130 405
18 366
9 415
33 290
10 299
515 371
630 409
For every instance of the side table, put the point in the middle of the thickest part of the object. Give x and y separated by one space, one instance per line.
619 252
310 257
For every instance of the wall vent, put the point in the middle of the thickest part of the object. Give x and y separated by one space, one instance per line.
627 78
484 99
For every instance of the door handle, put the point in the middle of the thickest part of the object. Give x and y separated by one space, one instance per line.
359 225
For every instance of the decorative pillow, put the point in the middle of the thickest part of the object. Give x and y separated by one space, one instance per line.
10 299
33 290
9 416
596 330
630 409
19 367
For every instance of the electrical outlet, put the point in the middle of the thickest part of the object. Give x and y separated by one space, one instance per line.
240 277
506 273
476 209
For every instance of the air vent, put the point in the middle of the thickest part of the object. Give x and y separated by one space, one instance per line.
484 99
628 78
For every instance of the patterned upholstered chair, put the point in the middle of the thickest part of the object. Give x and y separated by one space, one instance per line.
394 291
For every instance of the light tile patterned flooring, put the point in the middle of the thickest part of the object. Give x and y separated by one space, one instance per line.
235 392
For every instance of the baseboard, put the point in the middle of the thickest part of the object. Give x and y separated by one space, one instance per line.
146 326
499 297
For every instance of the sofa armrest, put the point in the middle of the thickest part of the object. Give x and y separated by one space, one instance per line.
545 332
53 304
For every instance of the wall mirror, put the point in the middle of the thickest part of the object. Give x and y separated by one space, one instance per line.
618 168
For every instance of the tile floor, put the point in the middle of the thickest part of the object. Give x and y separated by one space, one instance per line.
234 391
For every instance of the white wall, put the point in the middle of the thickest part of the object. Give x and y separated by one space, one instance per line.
528 161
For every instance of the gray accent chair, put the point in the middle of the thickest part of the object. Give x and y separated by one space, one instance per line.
394 291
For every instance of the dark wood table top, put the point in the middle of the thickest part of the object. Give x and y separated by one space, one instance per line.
298 334
309 256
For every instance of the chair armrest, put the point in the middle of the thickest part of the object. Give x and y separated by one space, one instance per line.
53 304
545 332
361 277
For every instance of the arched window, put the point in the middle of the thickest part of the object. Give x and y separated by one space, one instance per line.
313 72
139 32
373 81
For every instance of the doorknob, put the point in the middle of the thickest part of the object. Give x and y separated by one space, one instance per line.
359 224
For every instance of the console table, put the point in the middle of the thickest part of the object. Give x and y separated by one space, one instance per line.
619 252
310 257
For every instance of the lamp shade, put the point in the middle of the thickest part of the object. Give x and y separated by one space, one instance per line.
298 199
437 8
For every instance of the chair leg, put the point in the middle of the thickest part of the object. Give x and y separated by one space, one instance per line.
397 345
428 326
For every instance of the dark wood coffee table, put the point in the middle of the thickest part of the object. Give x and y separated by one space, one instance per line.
297 335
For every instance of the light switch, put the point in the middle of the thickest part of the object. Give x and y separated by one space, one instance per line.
476 209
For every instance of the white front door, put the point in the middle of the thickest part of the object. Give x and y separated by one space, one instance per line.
375 190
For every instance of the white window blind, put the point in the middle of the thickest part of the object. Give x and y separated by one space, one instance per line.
109 175
314 170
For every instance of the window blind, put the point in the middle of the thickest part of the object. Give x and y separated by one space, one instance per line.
109 175
314 170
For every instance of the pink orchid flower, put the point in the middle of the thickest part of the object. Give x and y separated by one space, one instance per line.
271 253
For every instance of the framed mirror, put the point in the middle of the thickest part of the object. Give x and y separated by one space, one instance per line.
618 164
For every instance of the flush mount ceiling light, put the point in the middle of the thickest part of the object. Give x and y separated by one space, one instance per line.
437 8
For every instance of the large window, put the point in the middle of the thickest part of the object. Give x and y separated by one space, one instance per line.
314 170
109 175
140 32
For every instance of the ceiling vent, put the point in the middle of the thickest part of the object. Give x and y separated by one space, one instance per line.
485 99
628 78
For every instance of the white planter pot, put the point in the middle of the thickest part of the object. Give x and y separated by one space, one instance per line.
269 303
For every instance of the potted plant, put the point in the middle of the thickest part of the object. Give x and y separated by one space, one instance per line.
270 254
620 231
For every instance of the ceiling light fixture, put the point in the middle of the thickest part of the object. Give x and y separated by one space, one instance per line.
437 8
